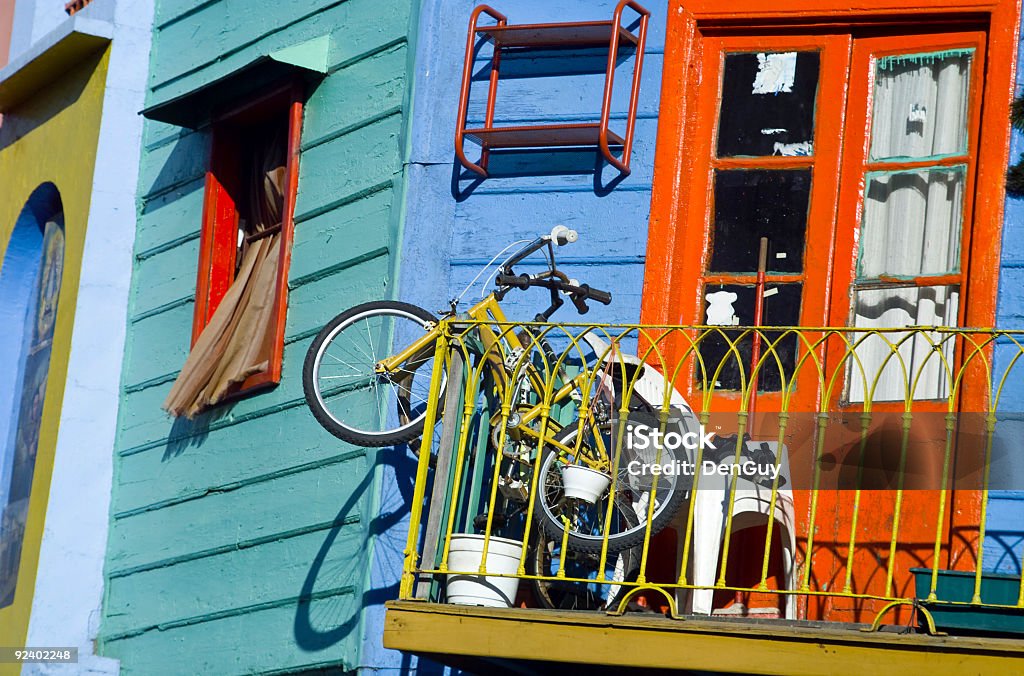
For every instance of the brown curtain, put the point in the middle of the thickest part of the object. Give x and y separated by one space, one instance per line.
235 344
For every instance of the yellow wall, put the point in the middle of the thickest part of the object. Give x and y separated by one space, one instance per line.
52 137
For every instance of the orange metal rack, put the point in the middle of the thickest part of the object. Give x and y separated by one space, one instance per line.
582 34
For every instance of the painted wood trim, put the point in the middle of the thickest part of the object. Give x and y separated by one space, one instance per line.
218 245
444 631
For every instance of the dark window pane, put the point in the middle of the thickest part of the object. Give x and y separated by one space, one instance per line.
768 104
756 203
733 304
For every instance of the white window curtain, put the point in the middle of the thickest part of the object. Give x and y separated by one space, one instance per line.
912 226
234 344
921 105
903 363
912 223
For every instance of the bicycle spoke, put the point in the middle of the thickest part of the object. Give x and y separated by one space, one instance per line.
381 412
373 353
352 375
347 353
361 350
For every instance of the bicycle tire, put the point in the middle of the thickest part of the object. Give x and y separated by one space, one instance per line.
559 594
410 421
631 536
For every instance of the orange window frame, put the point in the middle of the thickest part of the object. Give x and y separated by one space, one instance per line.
976 239
678 230
219 235
824 164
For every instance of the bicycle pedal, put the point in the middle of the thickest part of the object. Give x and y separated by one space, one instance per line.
515 454
513 489
499 521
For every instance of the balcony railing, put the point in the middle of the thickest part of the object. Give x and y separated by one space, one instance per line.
847 477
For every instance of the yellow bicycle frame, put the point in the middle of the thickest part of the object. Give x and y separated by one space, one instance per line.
489 310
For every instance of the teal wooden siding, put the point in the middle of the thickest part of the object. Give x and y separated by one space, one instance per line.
240 541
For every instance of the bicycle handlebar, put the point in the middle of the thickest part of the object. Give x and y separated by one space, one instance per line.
562 235
578 294
554 280
559 236
603 297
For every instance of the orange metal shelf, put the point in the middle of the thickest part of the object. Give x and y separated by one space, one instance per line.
575 34
542 135
580 34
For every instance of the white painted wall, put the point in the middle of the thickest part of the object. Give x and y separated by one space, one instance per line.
69 583
32 20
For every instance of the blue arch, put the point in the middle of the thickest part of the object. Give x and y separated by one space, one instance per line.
30 280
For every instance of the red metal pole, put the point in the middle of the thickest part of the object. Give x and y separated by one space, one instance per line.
755 349
609 83
740 597
467 76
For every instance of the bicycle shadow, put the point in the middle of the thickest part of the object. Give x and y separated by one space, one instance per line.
322 622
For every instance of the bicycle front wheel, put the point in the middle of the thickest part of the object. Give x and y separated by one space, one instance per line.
346 394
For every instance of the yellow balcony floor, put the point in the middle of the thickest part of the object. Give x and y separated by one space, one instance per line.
528 641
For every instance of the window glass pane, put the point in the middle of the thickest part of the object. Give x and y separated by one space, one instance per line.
768 104
921 104
912 222
922 366
733 305
751 204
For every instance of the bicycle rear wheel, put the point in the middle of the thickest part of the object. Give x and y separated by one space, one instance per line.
566 594
634 488
345 393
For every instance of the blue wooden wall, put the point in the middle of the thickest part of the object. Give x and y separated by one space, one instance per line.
240 541
1004 542
455 223
460 222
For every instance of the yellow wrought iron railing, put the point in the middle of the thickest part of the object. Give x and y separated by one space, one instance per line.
874 451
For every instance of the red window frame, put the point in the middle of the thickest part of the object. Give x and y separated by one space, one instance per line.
219 237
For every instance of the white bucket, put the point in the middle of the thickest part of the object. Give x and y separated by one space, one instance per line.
483 590
584 483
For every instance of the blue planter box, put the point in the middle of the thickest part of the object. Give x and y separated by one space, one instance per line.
955 585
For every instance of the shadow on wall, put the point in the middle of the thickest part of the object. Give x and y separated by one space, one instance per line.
185 162
535 162
185 432
65 92
1003 551
325 619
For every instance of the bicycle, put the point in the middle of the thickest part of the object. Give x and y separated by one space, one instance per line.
350 361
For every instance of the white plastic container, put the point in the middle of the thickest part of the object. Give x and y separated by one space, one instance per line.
584 483
465 555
